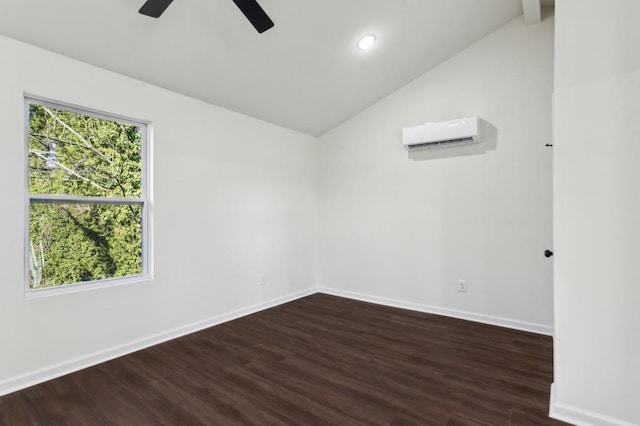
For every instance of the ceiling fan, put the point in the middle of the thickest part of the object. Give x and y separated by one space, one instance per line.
251 9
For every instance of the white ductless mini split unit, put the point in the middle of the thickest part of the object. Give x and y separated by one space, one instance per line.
444 133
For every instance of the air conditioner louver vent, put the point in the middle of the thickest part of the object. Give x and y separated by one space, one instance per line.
436 144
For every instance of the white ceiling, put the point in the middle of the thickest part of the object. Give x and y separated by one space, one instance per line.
304 74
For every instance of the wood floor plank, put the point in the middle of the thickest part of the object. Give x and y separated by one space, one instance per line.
320 360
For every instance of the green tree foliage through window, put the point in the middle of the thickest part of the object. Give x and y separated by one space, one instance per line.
86 197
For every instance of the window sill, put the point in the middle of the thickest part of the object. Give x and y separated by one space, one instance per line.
90 285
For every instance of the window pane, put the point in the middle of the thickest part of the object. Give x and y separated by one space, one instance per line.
78 154
73 243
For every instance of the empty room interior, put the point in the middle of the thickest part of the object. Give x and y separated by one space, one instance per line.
367 212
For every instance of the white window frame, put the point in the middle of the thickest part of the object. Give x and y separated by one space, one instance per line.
143 201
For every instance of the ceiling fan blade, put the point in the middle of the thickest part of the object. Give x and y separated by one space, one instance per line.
154 8
255 14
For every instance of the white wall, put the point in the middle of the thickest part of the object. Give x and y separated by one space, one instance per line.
403 228
597 212
233 198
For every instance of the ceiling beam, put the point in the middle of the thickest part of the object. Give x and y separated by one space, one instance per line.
531 11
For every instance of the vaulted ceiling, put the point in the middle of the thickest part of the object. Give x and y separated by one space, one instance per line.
305 73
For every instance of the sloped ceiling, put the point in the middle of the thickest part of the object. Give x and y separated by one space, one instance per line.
305 73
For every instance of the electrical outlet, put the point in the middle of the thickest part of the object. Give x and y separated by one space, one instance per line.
263 280
462 286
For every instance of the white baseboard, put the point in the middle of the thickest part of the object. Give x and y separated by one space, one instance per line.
559 411
56 370
578 416
470 316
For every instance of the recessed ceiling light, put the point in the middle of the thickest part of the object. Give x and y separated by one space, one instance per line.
366 42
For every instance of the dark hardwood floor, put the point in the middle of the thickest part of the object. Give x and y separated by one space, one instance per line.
321 360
